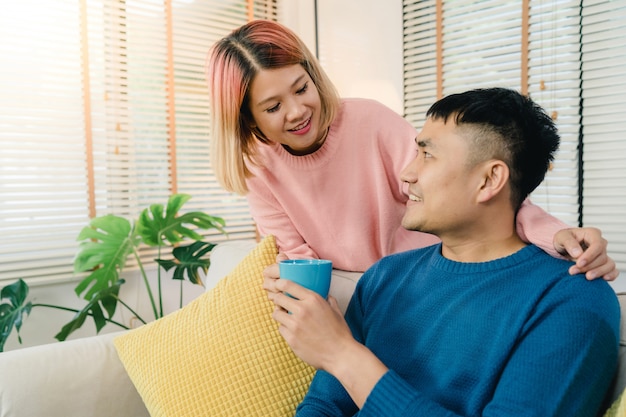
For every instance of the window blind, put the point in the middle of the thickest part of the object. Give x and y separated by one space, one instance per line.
420 57
42 162
104 109
554 83
482 44
603 122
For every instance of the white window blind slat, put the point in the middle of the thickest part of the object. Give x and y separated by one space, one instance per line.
603 124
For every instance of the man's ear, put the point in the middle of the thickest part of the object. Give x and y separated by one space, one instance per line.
495 177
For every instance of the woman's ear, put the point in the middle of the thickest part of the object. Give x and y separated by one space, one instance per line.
495 177
249 122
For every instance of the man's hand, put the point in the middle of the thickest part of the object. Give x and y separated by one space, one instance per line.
272 273
312 326
586 247
317 332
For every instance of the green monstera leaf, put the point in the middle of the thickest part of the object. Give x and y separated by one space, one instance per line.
189 261
104 249
158 225
12 312
102 301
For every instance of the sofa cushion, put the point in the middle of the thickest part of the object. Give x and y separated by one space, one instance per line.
225 257
618 409
75 378
617 395
221 355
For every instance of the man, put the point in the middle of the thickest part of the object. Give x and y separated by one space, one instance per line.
481 324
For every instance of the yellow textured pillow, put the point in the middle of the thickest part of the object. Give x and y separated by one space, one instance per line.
618 409
221 355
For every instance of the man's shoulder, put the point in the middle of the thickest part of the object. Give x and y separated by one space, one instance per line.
576 289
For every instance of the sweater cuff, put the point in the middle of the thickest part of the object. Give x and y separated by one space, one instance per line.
391 396
536 226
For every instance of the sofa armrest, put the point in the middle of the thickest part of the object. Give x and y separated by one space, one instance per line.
77 378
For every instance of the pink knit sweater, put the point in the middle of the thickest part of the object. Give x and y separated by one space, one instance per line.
345 201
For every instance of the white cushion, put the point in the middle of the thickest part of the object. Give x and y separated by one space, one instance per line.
76 378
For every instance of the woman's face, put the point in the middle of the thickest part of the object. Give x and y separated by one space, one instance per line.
286 106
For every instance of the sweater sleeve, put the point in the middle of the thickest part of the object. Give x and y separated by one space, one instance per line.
271 219
535 225
326 397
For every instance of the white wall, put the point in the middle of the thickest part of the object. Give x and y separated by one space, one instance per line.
360 44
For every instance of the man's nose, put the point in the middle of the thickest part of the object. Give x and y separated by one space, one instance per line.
409 173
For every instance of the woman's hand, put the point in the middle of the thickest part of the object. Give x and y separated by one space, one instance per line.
586 247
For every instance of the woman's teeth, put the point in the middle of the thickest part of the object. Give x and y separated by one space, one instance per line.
301 126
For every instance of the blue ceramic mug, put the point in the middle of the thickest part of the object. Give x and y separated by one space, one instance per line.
313 274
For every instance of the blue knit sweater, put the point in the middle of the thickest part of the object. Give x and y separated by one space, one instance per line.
515 336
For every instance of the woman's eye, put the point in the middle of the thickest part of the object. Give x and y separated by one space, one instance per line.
273 108
303 89
427 155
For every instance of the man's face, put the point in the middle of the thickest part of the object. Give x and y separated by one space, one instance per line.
441 186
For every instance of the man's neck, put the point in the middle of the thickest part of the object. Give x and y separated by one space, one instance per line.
491 238
480 250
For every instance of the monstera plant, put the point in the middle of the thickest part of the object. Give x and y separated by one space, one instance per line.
106 245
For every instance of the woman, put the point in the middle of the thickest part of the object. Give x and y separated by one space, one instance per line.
322 174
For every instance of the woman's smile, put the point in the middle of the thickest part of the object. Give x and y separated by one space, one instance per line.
303 128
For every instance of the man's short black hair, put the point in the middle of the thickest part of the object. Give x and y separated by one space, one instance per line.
509 126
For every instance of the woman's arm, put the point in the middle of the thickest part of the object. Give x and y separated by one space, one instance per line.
271 219
583 245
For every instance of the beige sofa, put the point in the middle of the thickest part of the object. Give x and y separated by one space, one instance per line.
85 378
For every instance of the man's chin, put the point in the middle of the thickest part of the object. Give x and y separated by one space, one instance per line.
411 225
